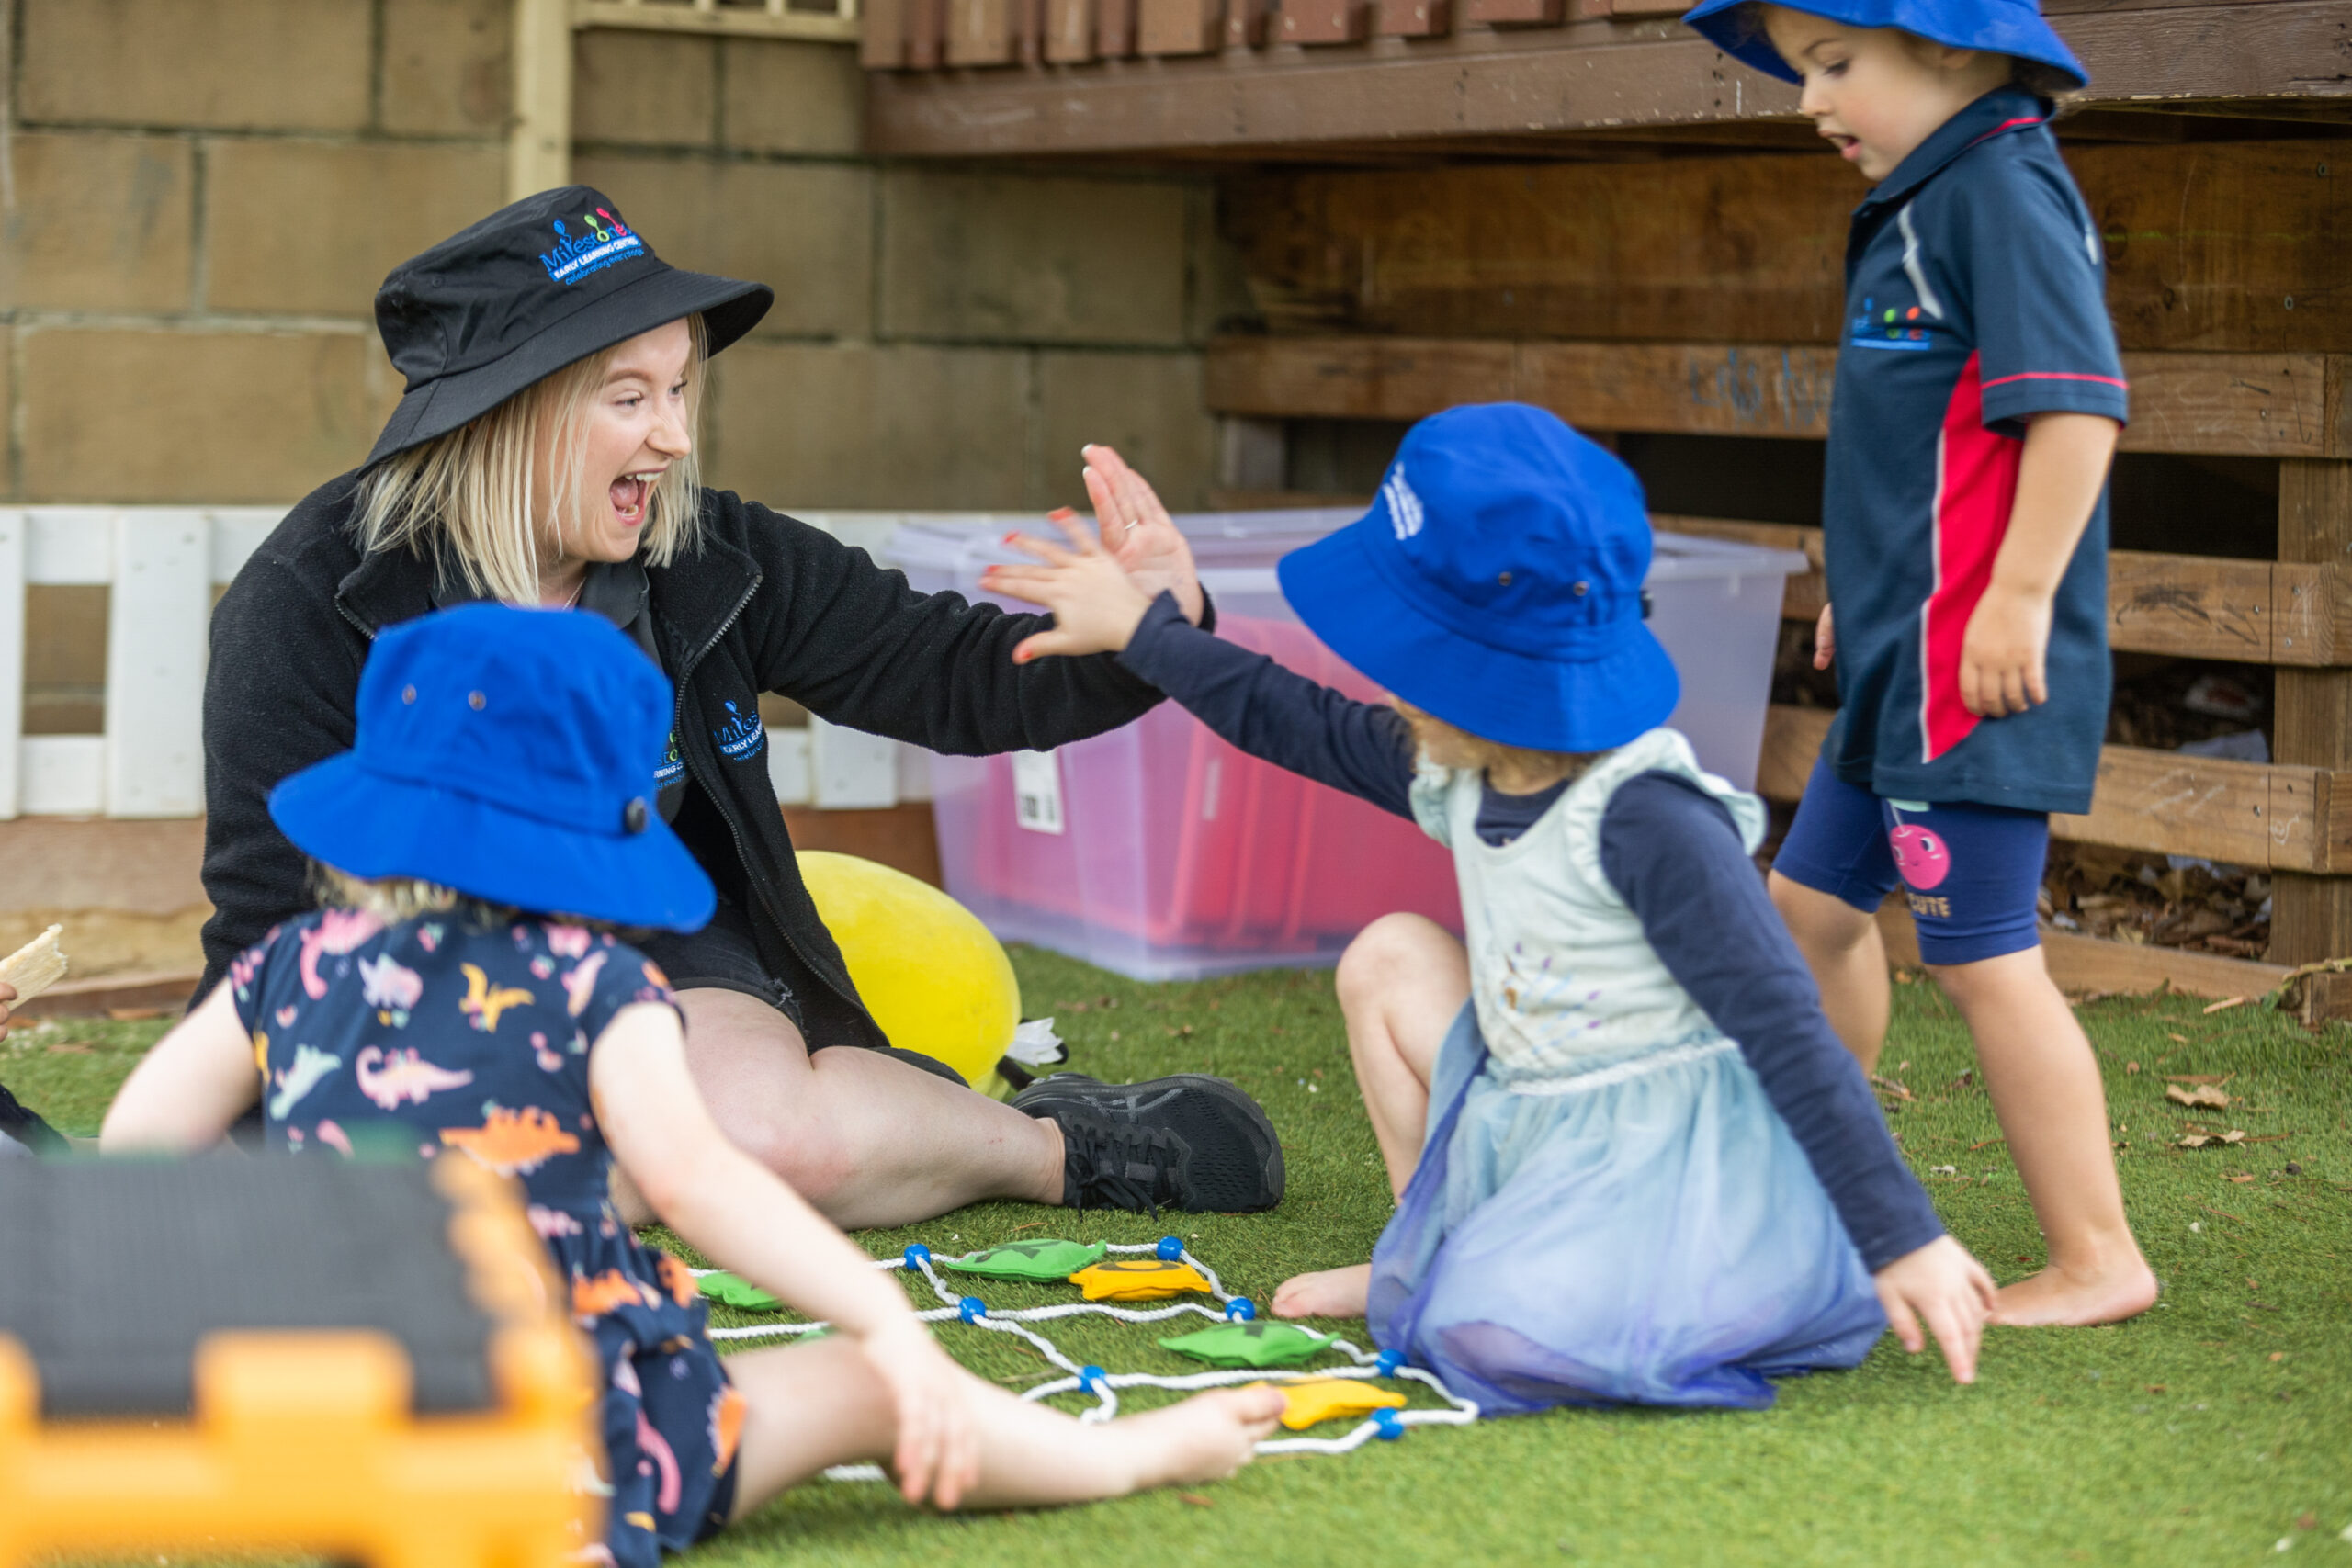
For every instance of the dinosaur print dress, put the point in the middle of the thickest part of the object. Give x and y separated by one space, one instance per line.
449 1039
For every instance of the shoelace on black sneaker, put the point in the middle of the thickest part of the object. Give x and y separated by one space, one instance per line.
1101 1158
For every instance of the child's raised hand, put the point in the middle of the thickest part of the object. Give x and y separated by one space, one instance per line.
1096 601
1138 531
1941 1284
937 1455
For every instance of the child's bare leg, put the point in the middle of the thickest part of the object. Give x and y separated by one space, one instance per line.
1841 946
817 1406
1401 983
2045 1086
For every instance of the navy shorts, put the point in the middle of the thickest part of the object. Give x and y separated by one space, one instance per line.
1971 873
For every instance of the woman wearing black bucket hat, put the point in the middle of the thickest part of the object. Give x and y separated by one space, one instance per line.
544 454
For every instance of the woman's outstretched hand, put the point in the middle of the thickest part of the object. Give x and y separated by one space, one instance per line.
1096 601
1136 531
1941 1284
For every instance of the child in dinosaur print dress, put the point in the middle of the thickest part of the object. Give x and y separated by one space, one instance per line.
504 764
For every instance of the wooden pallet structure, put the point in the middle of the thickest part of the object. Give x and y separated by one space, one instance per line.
1586 207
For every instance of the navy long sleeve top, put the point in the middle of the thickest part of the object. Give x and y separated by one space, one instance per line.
1673 855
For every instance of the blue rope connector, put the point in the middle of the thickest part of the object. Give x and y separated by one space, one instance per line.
971 1309
915 1255
1385 1426
1387 1361
1092 1380
1240 1309
1171 1248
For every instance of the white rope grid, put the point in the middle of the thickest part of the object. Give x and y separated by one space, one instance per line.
961 1306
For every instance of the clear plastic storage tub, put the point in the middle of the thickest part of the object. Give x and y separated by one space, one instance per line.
1162 852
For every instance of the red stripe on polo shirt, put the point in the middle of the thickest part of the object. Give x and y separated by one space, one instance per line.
2059 375
1976 487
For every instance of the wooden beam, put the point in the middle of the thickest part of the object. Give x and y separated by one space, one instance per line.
539 142
2311 916
2215 245
2255 612
2283 818
1589 74
2281 405
2079 963
807 27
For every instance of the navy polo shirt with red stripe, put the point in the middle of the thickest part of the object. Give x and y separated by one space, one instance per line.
1976 298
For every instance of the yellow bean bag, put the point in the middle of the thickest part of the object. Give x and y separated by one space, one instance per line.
931 973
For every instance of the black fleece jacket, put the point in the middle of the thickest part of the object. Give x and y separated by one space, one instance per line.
767 603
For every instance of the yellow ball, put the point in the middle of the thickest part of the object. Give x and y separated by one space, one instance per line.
931 973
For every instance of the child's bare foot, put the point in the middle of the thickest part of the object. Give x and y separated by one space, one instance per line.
1205 1438
2055 1297
1329 1292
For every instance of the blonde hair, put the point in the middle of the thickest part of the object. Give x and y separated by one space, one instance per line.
464 499
1449 747
393 899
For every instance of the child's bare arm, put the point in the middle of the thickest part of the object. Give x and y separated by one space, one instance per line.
1944 1286
190 1089
740 1214
2059 476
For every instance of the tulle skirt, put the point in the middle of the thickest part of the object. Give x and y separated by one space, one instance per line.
1651 1235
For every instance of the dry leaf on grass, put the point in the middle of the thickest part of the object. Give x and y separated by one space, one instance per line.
2199 1140
2176 1039
2225 1004
2204 1096
2240 1178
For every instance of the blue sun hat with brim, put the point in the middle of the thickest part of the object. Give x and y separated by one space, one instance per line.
510 755
1997 26
1497 584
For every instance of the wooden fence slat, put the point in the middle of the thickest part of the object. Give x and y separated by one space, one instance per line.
70 546
2243 246
11 658
2161 802
2079 963
849 769
61 776
155 634
2256 405
788 764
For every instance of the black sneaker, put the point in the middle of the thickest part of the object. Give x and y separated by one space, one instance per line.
1190 1143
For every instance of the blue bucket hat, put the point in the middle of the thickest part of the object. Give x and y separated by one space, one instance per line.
1997 26
1497 584
508 754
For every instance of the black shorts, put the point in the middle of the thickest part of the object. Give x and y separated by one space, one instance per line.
724 956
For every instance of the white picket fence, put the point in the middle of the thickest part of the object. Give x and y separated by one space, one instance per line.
161 566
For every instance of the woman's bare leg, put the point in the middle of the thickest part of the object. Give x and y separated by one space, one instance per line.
2046 1090
812 1406
868 1139
1842 947
1401 983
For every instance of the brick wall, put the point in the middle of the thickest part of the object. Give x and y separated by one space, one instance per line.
197 202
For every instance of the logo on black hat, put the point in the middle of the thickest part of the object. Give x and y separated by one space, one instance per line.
606 240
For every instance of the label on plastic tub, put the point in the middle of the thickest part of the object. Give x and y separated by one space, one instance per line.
1036 791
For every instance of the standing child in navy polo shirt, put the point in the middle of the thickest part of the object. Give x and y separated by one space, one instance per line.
1978 398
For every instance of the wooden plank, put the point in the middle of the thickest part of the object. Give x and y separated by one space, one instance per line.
13 528
2243 246
2312 916
105 994
155 638
981 32
538 136
1515 12
1326 21
1586 75
1178 27
849 769
1114 29
1245 23
2161 802
882 40
2259 405
1069 31
2253 612
2079 963
61 776
1414 18
900 837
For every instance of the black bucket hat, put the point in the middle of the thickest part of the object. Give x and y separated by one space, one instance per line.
531 288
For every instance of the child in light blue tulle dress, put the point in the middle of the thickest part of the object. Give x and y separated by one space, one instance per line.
1634 1164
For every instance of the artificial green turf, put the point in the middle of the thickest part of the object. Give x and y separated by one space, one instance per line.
2207 1431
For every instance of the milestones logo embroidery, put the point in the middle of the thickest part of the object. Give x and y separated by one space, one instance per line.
606 240
741 737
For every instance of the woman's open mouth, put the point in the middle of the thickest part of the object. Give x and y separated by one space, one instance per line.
630 493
